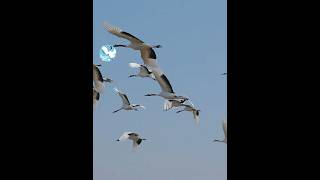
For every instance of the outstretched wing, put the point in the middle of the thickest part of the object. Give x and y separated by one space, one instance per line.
123 96
122 34
124 136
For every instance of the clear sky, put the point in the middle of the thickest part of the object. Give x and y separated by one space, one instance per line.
194 55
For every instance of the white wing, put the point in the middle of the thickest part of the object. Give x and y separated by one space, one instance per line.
120 33
134 65
124 136
167 105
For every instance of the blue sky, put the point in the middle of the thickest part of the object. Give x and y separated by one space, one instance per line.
194 55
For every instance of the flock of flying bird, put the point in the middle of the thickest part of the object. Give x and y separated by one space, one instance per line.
149 69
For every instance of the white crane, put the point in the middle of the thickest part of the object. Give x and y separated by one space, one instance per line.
96 97
98 79
146 51
173 103
166 88
224 126
144 71
191 108
132 136
126 105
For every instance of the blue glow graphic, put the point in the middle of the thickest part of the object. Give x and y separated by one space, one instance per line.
107 52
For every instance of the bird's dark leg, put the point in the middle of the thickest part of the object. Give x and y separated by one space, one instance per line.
150 95
116 110
119 45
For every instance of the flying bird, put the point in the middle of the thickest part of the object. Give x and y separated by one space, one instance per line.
224 126
191 108
144 71
126 105
166 88
173 103
98 79
96 97
146 50
224 74
132 136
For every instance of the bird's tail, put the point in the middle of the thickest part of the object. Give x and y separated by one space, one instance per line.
134 65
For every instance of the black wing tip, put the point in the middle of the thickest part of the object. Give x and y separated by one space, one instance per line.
164 77
139 141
